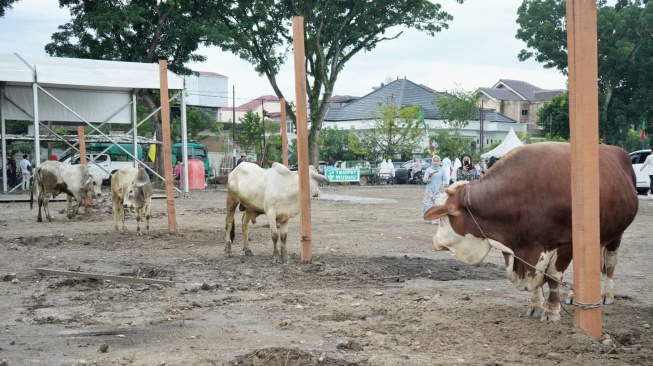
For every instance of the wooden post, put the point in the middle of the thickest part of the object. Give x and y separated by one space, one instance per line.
167 149
302 139
82 159
284 132
583 116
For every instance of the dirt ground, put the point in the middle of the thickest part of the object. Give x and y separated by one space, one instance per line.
376 293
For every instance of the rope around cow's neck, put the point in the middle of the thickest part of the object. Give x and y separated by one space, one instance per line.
576 304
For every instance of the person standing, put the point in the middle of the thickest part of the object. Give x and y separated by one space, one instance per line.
447 166
436 182
649 163
25 171
11 170
467 171
243 157
331 162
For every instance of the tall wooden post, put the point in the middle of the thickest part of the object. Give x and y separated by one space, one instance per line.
82 159
284 132
302 139
167 149
583 116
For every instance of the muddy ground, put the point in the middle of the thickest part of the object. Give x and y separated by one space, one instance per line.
376 293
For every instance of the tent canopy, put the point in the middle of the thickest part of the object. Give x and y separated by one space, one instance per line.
511 141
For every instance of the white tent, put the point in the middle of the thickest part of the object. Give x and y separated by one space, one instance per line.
511 142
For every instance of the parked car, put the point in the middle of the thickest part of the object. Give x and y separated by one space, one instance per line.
643 181
401 173
320 169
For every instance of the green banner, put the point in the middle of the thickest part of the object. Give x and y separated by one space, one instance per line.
343 175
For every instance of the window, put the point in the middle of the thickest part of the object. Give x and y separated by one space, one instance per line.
524 112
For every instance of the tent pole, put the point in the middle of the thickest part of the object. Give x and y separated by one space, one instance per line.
4 140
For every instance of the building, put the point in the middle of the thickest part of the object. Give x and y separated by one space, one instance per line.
518 100
208 91
357 114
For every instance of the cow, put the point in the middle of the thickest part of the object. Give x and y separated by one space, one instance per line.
522 206
54 177
273 192
131 188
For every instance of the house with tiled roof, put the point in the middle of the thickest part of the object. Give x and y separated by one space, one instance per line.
405 93
518 100
268 103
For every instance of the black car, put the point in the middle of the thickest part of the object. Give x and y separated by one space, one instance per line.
401 173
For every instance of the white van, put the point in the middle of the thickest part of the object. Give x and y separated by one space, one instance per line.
643 181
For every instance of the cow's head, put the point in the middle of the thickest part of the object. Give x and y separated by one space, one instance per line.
453 231
315 180
93 185
138 192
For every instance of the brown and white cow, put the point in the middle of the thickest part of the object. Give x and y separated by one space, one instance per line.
131 188
272 192
53 177
523 206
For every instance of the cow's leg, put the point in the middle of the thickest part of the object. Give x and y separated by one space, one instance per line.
146 212
229 225
139 213
79 200
283 235
118 213
611 257
554 272
536 307
41 201
245 222
274 233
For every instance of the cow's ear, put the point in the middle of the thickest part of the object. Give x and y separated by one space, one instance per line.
437 212
120 190
89 180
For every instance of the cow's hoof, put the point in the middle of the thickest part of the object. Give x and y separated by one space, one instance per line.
550 316
608 300
39 219
248 252
535 312
570 298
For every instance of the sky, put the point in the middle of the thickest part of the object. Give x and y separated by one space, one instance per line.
477 50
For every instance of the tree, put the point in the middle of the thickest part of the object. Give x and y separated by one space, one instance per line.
5 5
447 144
136 31
335 142
553 117
252 136
334 32
456 110
196 121
392 130
625 50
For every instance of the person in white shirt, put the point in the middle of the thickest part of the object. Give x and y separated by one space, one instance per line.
649 163
417 167
447 167
25 170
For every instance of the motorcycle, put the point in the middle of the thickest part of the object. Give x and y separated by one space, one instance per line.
416 179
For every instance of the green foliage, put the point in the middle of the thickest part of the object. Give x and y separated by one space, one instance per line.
456 110
393 130
553 117
335 142
252 135
196 121
632 141
5 5
335 31
451 145
625 57
17 127
21 147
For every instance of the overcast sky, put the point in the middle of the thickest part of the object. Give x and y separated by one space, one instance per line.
477 50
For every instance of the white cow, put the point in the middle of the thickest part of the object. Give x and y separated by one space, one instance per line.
53 177
131 188
273 192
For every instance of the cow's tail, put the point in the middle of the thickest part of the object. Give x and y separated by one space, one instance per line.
37 172
232 233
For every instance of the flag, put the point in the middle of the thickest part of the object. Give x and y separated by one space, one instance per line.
152 153
643 135
420 117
